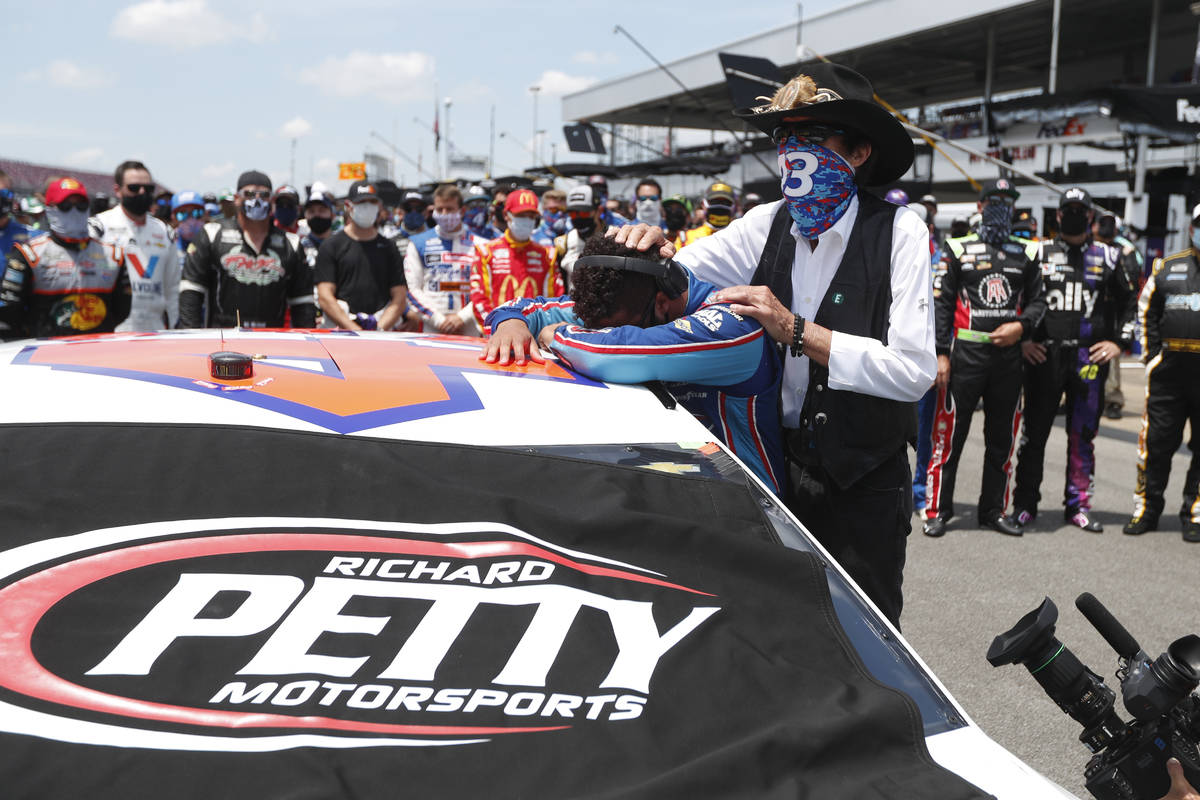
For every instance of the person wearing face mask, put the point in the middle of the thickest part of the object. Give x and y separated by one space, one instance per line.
412 221
360 273
513 266
318 222
996 280
1106 230
843 280
246 271
285 209
648 206
554 217
677 211
583 207
477 214
438 269
11 231
1090 307
609 215
64 282
1169 318
153 260
718 213
189 214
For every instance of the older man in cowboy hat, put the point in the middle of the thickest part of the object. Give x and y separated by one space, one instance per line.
842 278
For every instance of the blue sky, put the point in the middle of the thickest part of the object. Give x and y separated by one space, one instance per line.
203 89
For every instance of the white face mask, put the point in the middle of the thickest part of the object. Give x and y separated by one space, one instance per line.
521 228
449 221
71 224
649 212
364 214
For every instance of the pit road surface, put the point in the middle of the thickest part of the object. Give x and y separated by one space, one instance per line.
966 587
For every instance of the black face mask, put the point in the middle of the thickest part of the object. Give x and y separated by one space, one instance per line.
1106 228
585 225
286 215
676 217
320 225
1074 221
137 204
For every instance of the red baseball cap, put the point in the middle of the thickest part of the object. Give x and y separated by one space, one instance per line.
63 188
521 200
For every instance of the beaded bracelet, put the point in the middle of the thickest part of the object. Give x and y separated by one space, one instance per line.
797 347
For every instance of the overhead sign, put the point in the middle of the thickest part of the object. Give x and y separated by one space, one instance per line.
584 138
352 171
1081 128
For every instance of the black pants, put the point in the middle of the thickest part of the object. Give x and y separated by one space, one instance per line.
864 526
1066 370
993 374
1172 398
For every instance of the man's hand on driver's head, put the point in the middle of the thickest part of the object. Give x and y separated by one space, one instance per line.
643 237
511 341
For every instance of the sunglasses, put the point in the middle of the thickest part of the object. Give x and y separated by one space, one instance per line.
74 204
1001 199
195 213
249 194
139 188
654 198
815 134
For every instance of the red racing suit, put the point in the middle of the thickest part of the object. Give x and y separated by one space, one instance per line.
504 269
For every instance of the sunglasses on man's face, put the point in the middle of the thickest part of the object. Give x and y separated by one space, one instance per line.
194 213
1001 199
249 194
139 188
654 198
74 204
813 134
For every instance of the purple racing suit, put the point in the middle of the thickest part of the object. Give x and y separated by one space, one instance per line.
1089 299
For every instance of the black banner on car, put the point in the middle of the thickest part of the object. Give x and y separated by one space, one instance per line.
219 612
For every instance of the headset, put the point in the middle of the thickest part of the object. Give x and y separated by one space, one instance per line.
671 279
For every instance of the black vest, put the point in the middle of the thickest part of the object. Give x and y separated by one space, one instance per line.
849 433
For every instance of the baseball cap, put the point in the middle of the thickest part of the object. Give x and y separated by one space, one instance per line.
253 177
476 194
63 188
720 191
581 198
999 186
31 205
678 198
286 190
226 195
410 197
362 190
1196 212
186 199
1075 195
213 209
520 201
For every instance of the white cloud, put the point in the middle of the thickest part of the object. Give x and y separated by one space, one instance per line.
184 23
555 82
85 157
592 57
64 74
217 170
389 76
295 128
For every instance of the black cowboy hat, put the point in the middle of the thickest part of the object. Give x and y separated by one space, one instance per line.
845 99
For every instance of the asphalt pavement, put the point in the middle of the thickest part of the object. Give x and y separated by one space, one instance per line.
966 587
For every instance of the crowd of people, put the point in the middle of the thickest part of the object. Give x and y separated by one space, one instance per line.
986 314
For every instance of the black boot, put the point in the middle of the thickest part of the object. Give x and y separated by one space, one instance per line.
1139 525
999 521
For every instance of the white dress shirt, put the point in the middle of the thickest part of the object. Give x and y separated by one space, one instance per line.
903 369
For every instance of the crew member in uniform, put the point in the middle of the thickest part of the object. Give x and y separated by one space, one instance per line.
991 298
1169 314
843 281
1090 306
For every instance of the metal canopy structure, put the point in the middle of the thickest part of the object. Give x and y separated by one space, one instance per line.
920 54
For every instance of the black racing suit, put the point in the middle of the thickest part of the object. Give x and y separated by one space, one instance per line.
240 282
988 285
51 287
1089 299
1169 313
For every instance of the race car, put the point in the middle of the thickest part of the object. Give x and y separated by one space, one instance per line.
249 563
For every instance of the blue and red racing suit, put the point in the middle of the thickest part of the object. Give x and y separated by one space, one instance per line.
722 367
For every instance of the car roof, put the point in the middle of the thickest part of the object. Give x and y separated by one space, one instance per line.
397 386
